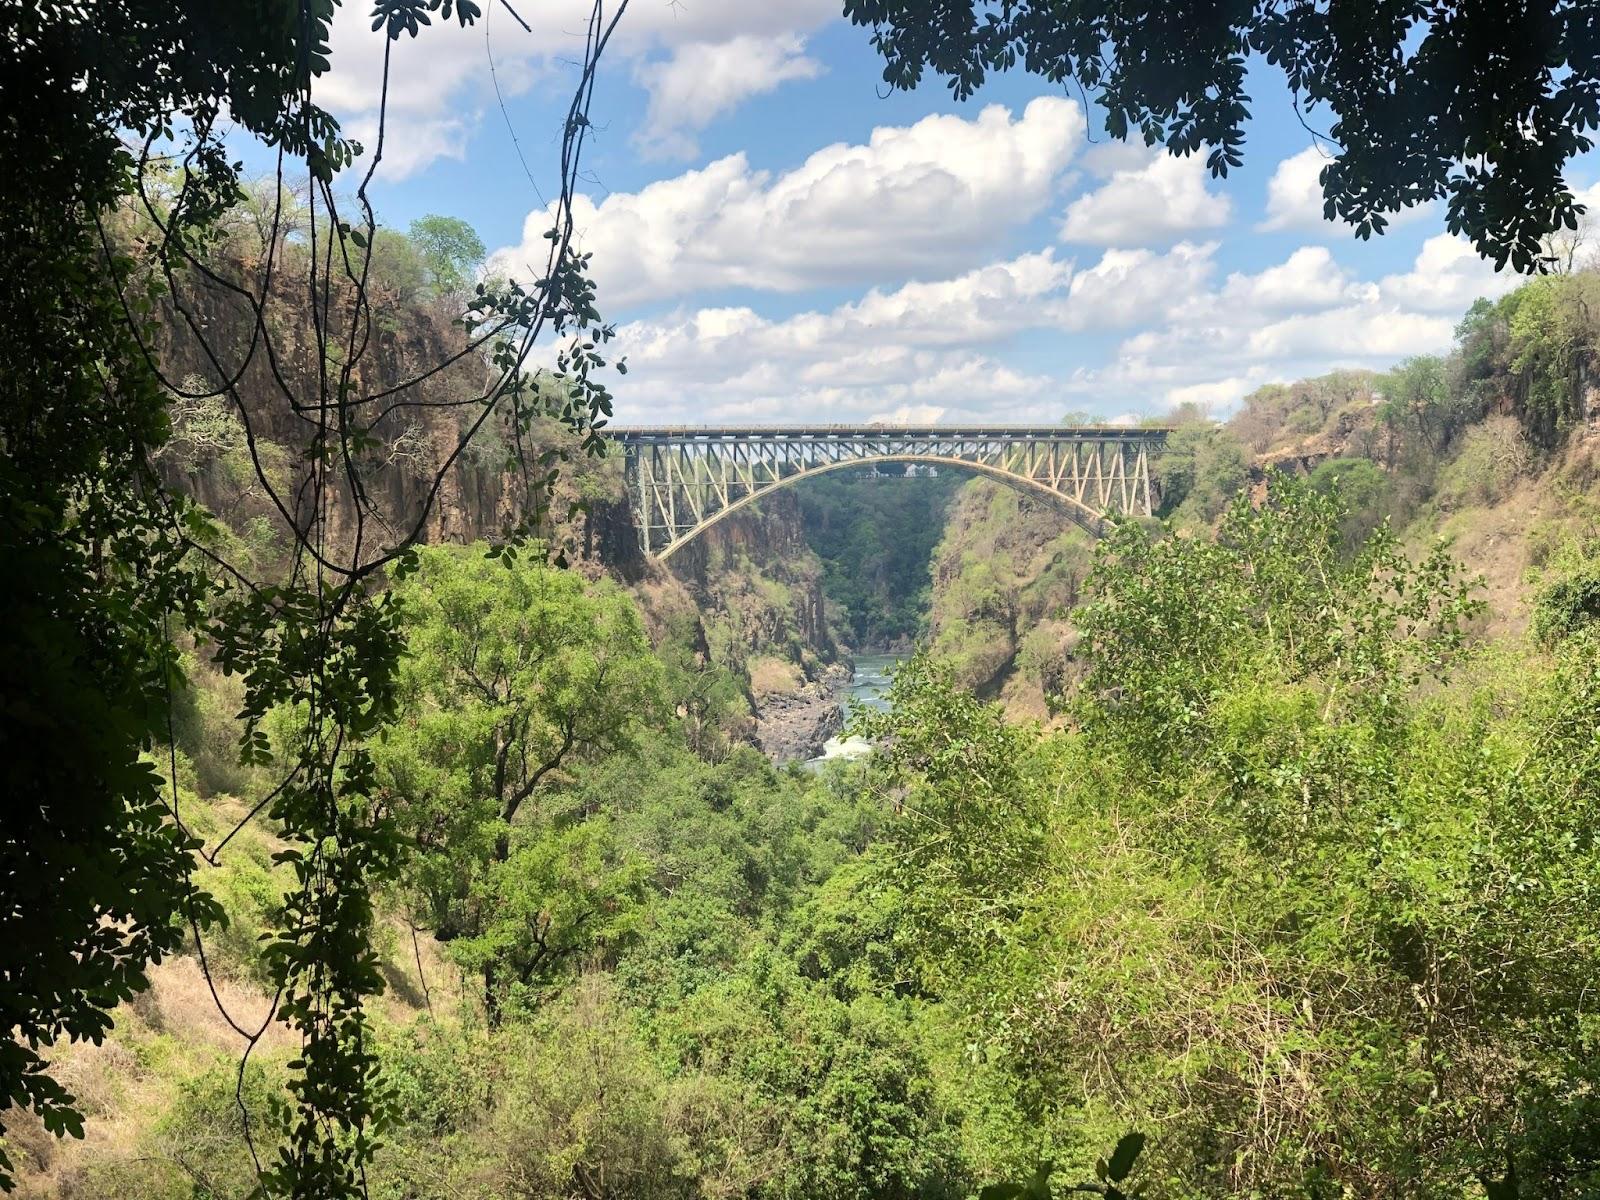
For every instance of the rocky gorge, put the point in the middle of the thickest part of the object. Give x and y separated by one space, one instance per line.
747 595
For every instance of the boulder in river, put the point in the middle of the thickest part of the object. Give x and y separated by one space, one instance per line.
795 724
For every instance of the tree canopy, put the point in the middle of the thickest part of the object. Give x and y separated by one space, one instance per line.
1478 104
451 251
1306 913
115 127
517 672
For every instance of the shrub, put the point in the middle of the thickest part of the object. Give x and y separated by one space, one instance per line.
1492 457
1565 606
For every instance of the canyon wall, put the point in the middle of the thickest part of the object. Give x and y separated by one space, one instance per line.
758 589
746 595
1005 576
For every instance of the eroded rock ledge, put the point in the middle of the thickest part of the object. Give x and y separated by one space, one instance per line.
794 724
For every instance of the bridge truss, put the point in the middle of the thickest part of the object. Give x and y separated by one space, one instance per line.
683 480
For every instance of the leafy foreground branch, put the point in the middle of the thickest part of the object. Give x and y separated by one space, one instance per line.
1110 1175
1479 105
116 263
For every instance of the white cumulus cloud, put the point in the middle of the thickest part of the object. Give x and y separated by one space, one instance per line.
935 344
1294 193
951 345
918 200
1149 205
1128 287
1303 316
1294 197
440 88
1447 277
1308 279
703 80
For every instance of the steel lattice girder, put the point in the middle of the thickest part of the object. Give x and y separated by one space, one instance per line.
682 480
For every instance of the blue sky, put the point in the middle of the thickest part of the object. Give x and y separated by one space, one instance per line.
778 240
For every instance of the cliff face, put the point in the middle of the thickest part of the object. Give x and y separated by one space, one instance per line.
759 585
1004 577
746 595
424 473
1009 571
758 590
413 362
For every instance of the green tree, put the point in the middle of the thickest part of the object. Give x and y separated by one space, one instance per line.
1280 896
96 583
708 698
1568 603
1419 94
1550 339
1421 412
564 897
848 1085
517 672
95 873
451 252
1198 471
1362 490
1279 592
397 265
968 838
99 239
1479 338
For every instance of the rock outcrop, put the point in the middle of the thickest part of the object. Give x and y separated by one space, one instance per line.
757 586
794 725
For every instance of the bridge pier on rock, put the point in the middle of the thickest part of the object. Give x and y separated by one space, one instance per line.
684 479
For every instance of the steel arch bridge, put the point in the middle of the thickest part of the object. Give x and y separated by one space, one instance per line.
684 479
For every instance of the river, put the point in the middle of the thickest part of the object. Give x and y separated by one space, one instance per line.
868 686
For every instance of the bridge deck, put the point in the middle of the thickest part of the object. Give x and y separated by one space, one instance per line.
650 433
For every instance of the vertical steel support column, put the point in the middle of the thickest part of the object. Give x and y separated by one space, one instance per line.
634 475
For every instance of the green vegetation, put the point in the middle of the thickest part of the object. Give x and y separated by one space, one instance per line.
1323 924
1302 890
1549 330
1198 471
875 532
1305 893
1006 571
1484 445
336 868
451 252
515 673
133 248
633 978
95 578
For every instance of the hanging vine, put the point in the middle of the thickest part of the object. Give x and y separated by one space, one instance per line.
315 639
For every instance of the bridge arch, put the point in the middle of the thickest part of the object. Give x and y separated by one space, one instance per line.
1080 513
683 480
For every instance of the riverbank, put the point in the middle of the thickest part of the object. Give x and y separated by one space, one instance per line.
870 677
796 725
